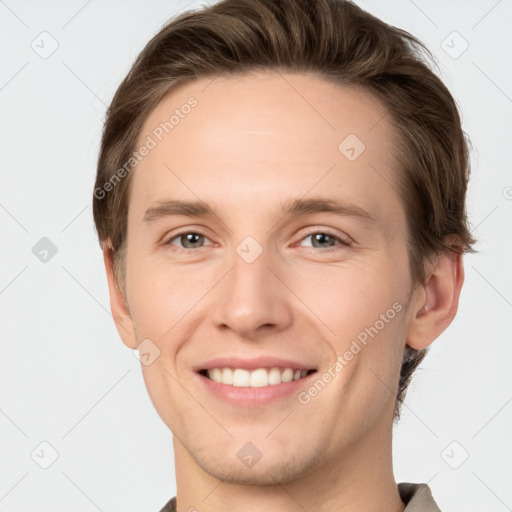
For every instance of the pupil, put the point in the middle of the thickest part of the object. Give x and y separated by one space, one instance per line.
321 237
190 238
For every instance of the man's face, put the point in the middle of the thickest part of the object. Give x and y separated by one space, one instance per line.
251 281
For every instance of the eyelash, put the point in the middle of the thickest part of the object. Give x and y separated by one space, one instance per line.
343 243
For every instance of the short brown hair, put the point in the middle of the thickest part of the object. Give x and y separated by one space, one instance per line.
338 41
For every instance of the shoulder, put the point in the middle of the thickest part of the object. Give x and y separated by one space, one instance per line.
417 498
170 506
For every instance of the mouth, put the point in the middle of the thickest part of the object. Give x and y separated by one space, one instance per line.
257 378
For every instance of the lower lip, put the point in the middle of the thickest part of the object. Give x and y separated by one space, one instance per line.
253 397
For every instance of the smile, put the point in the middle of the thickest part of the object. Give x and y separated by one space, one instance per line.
260 377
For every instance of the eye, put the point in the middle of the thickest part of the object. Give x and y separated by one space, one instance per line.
319 239
188 239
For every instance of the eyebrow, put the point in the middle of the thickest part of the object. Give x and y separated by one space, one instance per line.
294 207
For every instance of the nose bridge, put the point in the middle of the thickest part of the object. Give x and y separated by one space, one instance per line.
251 295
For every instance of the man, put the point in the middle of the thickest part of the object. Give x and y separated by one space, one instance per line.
280 200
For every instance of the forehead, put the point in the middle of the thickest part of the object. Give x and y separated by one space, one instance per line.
253 136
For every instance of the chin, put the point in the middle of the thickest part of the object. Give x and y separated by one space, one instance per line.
272 470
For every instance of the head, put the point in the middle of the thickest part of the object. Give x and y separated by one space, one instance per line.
254 109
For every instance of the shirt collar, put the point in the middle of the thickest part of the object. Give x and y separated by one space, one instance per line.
417 498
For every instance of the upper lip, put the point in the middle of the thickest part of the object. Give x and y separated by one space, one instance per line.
252 364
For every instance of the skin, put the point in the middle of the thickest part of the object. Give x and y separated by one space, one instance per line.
252 142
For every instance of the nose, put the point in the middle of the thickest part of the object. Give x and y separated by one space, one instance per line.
253 298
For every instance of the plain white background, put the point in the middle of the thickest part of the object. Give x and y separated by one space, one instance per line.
66 377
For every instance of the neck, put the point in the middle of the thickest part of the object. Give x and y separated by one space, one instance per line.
360 478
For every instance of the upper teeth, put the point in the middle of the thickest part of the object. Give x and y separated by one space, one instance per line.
256 378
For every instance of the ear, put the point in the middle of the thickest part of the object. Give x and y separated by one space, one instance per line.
436 301
118 303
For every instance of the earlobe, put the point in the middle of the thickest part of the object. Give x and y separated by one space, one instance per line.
118 304
438 301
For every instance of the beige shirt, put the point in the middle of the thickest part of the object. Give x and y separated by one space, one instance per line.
417 498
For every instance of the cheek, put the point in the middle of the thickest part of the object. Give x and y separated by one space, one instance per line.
159 296
354 297
364 312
